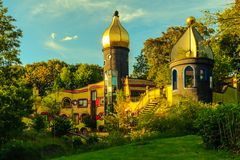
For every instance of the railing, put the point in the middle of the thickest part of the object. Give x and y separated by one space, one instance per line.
149 96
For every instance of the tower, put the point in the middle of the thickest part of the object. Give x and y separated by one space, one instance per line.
191 66
115 41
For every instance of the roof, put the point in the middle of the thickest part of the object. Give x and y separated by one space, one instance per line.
115 35
191 45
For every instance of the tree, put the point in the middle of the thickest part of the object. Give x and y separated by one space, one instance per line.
15 103
15 97
87 74
157 52
225 43
50 102
43 74
140 68
9 39
65 78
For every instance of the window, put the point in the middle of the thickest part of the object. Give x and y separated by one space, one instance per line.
76 118
66 102
202 75
82 103
174 79
188 77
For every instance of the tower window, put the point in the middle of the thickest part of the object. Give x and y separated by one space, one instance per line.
109 56
188 77
203 75
174 79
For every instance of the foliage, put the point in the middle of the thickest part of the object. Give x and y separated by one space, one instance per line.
39 123
219 127
15 96
157 51
9 39
18 150
55 75
65 77
225 43
87 74
76 141
177 119
50 102
140 68
60 126
86 119
43 74
15 103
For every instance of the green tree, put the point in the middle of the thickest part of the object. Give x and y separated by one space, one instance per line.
157 52
65 78
15 103
225 43
140 68
87 74
15 97
9 39
50 102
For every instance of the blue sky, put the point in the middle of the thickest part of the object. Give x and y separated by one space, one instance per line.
71 30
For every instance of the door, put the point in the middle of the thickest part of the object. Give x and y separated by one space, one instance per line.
93 108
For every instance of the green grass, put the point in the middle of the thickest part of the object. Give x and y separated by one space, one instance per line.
178 148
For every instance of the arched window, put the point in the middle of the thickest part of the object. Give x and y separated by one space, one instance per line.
203 74
174 79
188 77
66 102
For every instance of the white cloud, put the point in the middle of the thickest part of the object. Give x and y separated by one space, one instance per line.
53 35
53 45
69 38
59 7
128 16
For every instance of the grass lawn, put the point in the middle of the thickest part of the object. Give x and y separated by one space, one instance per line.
177 148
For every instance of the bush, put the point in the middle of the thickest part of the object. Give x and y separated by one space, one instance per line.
76 141
178 119
18 150
219 127
60 126
93 139
116 138
39 123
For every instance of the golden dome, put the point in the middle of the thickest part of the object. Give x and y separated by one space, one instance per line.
190 20
115 35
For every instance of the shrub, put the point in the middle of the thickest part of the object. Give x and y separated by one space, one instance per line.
92 139
60 126
19 150
76 141
178 119
219 127
39 123
116 138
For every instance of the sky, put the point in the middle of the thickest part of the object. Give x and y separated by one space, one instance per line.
71 30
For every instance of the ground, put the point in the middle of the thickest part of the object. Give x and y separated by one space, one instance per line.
177 148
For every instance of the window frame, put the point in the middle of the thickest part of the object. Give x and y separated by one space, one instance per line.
174 69
63 102
82 106
184 77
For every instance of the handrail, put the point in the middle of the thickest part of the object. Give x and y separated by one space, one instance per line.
149 95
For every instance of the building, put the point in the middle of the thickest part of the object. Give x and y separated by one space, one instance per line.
191 66
98 99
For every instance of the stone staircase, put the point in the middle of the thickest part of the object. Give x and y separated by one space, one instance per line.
150 108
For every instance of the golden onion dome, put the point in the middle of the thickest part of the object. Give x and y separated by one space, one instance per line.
115 34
